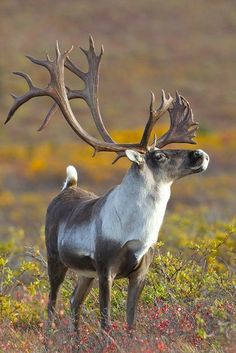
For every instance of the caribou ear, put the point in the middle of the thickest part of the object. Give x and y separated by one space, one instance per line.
135 157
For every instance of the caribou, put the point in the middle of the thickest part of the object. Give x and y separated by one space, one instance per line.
114 235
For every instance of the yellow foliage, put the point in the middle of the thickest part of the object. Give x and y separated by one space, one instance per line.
36 165
50 160
6 199
13 153
40 157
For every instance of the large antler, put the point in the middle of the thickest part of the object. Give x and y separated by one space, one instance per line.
182 126
58 92
180 114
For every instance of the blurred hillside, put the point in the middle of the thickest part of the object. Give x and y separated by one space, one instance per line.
176 45
149 45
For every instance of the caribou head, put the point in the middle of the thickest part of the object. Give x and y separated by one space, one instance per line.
113 235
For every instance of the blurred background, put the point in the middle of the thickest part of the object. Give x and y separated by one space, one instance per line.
181 45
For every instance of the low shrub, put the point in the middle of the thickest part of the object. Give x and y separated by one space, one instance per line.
188 302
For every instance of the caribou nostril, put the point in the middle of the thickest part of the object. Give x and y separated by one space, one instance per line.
197 154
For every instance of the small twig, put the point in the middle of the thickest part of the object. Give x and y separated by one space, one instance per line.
30 252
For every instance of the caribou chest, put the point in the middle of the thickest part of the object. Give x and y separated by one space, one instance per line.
132 212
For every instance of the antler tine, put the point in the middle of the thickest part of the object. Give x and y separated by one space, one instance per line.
26 77
155 115
46 63
20 100
73 68
182 125
50 113
62 56
91 50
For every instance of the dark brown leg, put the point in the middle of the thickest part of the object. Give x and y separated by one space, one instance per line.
56 273
105 284
136 285
78 297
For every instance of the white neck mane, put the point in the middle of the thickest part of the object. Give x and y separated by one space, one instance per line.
135 209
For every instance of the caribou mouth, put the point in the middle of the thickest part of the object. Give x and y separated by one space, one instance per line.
197 167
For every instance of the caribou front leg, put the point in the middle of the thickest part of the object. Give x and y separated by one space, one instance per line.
105 284
136 284
135 288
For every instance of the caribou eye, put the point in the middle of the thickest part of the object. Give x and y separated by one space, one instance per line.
160 156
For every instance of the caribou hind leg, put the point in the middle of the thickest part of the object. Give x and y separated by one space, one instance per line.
56 273
78 297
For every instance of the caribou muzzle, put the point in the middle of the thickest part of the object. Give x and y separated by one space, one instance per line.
199 161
